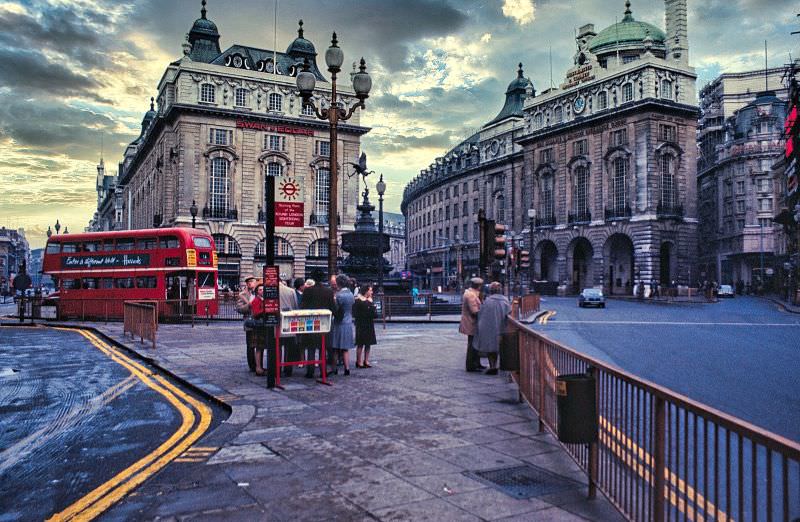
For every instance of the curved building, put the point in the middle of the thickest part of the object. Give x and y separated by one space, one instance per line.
605 162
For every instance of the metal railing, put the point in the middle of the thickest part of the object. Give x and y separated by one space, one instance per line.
662 456
140 319
528 304
618 212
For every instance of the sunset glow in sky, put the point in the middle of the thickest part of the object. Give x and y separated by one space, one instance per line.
77 73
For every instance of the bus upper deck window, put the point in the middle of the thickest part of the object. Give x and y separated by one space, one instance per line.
169 242
108 245
92 246
53 248
147 243
201 242
70 248
125 244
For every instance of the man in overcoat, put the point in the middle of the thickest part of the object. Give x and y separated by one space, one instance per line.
470 306
315 297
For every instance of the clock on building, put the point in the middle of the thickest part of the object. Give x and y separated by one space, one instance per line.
579 104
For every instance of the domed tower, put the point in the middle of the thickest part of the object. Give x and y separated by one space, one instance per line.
300 48
204 38
149 117
515 96
627 39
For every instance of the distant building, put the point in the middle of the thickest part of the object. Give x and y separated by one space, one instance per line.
109 202
394 226
14 253
607 161
740 137
222 121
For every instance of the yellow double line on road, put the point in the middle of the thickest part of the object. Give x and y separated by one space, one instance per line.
546 316
191 429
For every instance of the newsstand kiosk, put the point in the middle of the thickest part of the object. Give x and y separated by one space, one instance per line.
303 322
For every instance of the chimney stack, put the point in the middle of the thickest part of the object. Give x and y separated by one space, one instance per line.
677 32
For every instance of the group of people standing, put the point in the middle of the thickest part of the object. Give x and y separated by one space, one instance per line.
483 321
351 307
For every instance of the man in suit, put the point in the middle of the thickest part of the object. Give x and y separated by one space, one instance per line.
316 297
243 307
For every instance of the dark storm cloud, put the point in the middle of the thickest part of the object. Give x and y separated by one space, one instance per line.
23 70
56 127
381 29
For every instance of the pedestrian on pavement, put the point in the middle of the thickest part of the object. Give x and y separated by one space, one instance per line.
364 317
243 307
317 297
299 285
258 315
342 339
470 306
291 350
491 325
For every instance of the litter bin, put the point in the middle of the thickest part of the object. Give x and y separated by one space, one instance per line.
509 351
577 408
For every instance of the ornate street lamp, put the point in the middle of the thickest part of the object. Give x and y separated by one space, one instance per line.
362 84
193 212
381 188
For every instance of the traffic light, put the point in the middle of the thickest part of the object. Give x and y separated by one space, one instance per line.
499 236
524 260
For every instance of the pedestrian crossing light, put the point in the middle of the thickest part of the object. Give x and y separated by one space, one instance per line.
524 259
499 235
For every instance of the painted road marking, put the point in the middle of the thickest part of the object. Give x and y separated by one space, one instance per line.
18 451
546 316
110 492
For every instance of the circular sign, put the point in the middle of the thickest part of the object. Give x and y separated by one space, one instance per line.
289 189
579 104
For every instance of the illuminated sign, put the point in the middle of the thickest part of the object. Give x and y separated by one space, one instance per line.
268 127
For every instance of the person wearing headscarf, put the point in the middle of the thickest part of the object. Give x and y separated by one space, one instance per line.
491 325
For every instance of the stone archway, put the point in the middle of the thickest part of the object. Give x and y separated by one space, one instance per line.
546 261
579 263
618 254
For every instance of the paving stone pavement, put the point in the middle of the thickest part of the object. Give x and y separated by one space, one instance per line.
390 442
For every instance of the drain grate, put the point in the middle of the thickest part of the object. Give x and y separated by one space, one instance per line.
525 481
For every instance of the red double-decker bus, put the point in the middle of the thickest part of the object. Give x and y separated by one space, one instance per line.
96 272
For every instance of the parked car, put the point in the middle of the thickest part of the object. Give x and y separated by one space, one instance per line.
591 297
725 291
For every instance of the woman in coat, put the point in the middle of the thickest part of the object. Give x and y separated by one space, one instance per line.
364 316
492 324
342 338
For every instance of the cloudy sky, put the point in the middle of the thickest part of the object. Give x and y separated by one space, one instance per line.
77 73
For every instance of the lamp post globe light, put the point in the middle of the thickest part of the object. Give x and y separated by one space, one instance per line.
381 188
193 212
362 83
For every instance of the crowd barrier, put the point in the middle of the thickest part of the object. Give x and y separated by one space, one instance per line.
140 319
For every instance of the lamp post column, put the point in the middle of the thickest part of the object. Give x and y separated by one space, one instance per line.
380 239
532 218
333 205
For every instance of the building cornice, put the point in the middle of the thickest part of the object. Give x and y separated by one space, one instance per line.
636 107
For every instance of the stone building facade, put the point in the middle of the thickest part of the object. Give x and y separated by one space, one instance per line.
441 204
14 252
607 161
222 122
740 138
394 226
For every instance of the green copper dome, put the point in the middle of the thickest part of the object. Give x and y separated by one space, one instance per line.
626 32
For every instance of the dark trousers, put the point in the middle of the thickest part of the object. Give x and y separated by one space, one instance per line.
313 344
473 359
292 352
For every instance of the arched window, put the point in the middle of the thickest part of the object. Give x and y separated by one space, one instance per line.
226 245
546 199
558 114
282 248
318 248
322 195
666 89
602 100
207 93
275 102
241 97
537 121
618 188
581 191
219 187
667 182
500 208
